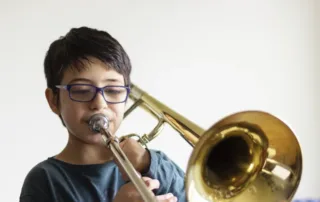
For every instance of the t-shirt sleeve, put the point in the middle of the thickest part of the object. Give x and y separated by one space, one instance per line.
170 175
34 187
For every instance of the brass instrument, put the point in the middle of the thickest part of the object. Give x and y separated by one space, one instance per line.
249 156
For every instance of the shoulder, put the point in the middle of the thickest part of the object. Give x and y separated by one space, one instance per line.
41 170
169 174
38 171
36 180
161 160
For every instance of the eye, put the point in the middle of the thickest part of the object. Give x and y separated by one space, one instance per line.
81 89
114 90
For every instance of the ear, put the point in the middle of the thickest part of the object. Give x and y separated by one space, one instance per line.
52 101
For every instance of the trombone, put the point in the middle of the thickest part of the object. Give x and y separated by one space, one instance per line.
246 156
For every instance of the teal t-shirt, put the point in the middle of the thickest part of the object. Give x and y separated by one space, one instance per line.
56 181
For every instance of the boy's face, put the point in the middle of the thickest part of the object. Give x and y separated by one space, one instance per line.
76 114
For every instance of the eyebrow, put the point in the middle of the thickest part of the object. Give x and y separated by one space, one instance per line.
88 80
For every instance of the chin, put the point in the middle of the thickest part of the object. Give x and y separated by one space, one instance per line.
94 138
87 138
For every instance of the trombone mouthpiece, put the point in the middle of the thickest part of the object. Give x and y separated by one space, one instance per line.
97 122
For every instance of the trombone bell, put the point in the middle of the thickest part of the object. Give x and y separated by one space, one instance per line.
247 156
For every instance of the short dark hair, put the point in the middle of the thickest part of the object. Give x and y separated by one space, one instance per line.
79 45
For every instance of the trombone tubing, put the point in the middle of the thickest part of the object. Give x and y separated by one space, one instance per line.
113 143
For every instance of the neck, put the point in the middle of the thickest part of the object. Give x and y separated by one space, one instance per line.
80 153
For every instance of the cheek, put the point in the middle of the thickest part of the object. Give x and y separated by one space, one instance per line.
70 111
118 111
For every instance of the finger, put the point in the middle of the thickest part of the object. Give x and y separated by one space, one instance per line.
128 143
151 183
167 198
144 178
123 142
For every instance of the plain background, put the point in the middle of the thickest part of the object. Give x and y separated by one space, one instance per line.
204 59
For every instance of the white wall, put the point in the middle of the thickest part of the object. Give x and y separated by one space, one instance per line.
205 59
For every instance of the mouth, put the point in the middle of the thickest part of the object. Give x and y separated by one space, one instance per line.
96 121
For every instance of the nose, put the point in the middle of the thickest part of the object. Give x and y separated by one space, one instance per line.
98 102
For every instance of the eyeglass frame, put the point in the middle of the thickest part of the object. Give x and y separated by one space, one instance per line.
97 90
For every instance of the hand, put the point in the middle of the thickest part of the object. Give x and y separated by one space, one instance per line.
138 156
128 192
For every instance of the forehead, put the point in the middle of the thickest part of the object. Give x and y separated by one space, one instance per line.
94 70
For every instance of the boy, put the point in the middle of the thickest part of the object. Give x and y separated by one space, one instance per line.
88 72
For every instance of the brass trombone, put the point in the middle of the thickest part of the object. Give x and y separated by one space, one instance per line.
247 156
